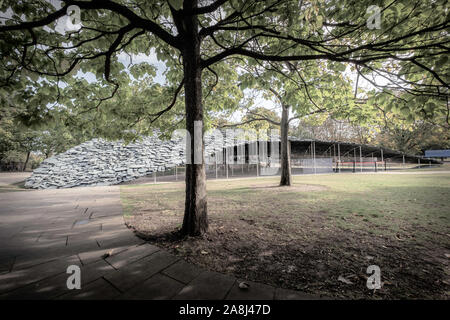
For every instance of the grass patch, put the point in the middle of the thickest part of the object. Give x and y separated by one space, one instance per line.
305 236
424 167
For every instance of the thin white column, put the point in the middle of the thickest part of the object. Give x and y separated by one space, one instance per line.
217 173
226 161
339 156
334 155
257 158
360 158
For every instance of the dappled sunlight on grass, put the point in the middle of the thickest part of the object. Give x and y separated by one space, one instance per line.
334 221
350 201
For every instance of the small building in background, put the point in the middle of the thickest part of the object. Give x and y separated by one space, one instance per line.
444 155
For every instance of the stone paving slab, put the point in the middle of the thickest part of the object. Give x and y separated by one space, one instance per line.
55 286
130 255
208 285
13 177
6 263
8 232
255 291
88 257
100 289
112 240
24 262
43 232
45 289
139 271
157 287
19 278
183 271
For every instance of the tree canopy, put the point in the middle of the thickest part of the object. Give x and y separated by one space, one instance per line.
194 38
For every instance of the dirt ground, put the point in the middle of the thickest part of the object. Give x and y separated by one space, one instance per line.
293 238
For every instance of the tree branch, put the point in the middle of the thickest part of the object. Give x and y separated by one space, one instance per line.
209 8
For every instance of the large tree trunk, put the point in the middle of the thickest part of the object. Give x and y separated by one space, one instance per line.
26 161
286 177
195 220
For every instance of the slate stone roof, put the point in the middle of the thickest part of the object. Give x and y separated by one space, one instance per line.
101 162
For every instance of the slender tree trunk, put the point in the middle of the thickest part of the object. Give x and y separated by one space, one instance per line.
26 161
195 220
286 177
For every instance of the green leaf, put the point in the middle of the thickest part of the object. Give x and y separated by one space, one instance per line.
442 61
176 4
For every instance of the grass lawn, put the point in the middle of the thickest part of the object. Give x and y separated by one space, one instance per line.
307 236
424 167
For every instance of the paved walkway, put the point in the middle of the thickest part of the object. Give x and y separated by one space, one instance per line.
7 178
43 232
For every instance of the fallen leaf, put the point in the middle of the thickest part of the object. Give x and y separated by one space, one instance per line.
243 285
107 254
344 280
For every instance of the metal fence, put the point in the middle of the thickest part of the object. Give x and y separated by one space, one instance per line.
305 164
